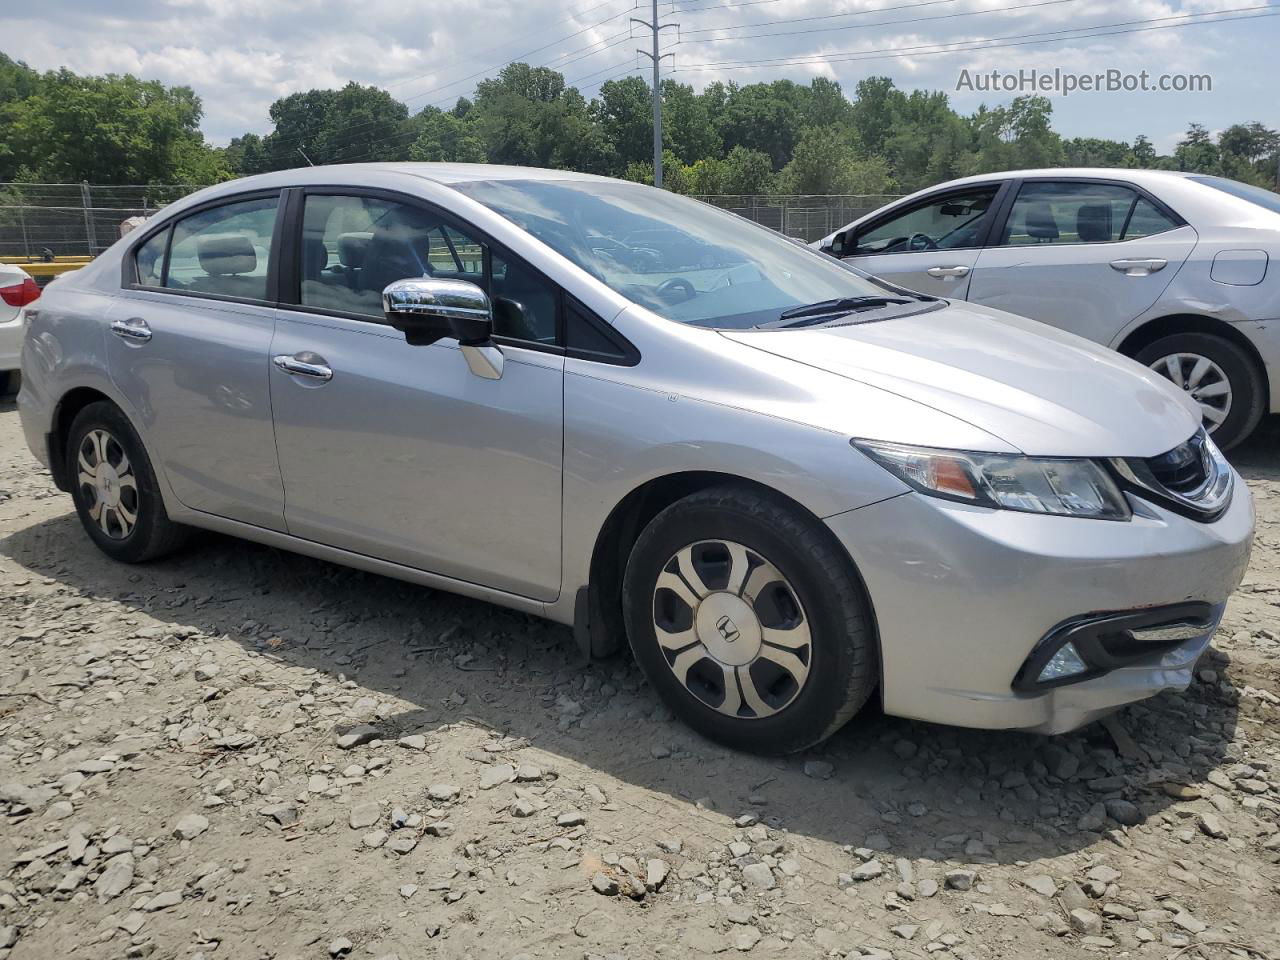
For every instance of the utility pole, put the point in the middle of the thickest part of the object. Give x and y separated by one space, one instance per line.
657 58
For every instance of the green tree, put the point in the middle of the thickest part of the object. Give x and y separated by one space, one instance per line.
442 136
686 123
109 129
827 161
624 111
763 119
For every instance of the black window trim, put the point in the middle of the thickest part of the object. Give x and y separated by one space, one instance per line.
984 234
290 275
1006 209
129 263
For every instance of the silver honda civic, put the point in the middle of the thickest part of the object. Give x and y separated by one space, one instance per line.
783 483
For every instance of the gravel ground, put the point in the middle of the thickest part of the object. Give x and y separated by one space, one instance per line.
242 753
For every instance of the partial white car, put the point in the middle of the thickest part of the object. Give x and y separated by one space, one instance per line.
1172 269
17 289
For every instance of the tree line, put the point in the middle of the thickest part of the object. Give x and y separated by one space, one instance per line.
776 137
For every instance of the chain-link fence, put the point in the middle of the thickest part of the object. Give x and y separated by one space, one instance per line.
38 220
82 219
806 218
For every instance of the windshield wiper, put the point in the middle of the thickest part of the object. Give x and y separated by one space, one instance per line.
829 308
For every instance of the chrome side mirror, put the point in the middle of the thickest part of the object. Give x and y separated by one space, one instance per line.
427 309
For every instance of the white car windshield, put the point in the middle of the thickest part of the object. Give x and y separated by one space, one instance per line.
682 259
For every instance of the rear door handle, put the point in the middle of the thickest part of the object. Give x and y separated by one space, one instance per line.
306 364
957 271
135 329
1139 268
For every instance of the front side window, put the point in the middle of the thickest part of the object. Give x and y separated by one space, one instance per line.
953 222
1079 212
354 246
682 259
224 251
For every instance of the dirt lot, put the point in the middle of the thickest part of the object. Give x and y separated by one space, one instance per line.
241 753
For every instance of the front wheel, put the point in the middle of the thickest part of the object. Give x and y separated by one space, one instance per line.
1219 376
747 618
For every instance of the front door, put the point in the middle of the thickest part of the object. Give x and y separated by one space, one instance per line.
1086 256
930 246
399 452
188 349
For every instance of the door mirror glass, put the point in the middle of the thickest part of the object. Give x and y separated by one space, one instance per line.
427 309
842 244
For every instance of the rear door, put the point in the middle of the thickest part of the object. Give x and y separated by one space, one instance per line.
188 348
930 246
1081 254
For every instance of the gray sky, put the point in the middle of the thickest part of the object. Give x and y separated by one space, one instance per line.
239 55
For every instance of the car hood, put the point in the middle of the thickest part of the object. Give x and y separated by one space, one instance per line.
1039 389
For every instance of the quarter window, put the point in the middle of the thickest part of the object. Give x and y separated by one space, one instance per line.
354 246
150 260
1074 212
952 222
224 251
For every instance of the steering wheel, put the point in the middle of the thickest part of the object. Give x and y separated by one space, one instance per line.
676 290
921 241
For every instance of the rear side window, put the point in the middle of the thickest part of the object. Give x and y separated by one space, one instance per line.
224 251
150 260
1081 212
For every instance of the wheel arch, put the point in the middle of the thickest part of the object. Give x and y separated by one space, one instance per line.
598 621
1148 333
69 405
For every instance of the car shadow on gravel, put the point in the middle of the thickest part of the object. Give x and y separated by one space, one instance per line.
909 789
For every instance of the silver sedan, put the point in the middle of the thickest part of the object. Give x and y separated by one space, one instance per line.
1172 269
784 484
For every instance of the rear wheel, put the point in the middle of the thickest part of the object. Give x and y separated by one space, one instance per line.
115 489
746 617
1219 376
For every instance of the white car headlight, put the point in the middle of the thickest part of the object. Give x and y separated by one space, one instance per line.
1067 487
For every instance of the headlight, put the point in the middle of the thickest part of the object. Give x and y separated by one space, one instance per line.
1062 487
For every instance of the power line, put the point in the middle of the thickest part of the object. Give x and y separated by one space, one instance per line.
882 23
930 48
825 16
485 72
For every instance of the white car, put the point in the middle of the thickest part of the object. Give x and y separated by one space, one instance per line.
17 289
1172 269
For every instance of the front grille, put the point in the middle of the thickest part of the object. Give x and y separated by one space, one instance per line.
1184 469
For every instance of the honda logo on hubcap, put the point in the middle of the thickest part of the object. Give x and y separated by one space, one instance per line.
728 629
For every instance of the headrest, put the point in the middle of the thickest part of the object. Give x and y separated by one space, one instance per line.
314 258
352 247
226 253
1041 223
1093 223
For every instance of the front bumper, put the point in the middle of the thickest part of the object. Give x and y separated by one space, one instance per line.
963 595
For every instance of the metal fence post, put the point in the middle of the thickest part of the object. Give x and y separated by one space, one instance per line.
86 200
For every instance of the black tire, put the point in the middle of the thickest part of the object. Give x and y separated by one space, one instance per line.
843 662
1247 392
152 534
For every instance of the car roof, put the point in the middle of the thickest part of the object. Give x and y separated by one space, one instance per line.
1095 173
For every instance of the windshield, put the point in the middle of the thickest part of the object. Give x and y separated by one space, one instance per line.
682 259
1259 195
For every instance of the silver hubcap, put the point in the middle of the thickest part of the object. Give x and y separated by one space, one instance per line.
106 479
732 629
1204 380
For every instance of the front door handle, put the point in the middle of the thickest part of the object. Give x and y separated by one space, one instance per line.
957 271
306 364
1139 268
135 329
